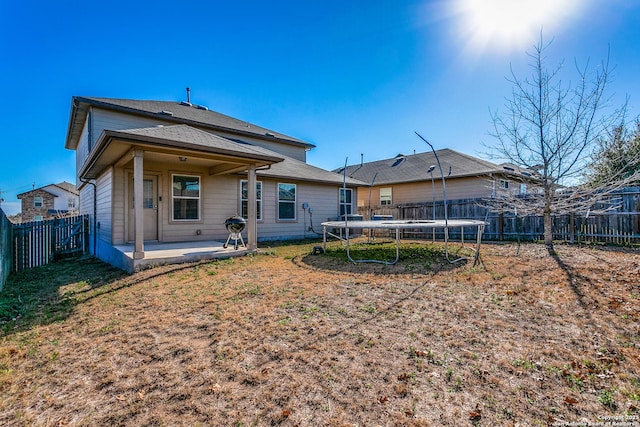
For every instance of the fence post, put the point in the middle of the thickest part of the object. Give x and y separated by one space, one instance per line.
572 227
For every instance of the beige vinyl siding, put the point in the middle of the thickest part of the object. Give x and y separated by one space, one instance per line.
296 152
82 151
421 192
323 199
111 120
118 208
86 200
105 119
219 199
104 185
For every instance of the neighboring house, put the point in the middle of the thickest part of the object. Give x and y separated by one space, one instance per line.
50 201
166 171
416 178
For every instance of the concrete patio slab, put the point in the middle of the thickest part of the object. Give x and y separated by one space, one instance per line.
179 252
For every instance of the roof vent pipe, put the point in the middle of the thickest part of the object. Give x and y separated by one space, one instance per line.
361 159
188 95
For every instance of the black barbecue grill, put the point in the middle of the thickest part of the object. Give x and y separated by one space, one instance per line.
235 225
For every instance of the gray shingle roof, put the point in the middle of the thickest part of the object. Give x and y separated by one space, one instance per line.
292 168
187 136
67 186
414 167
178 112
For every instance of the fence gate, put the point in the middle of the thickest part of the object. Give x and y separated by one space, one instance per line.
41 242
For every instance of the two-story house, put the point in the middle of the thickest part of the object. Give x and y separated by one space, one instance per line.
162 171
417 178
50 201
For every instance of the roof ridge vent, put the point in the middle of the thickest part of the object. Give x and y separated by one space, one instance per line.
187 103
270 134
166 112
201 107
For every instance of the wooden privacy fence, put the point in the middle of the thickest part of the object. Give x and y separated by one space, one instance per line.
620 226
5 248
40 242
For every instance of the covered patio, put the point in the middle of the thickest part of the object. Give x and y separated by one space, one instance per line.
146 217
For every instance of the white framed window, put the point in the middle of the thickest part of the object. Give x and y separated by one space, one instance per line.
504 184
385 196
71 203
244 199
37 203
345 196
185 194
523 189
286 201
37 217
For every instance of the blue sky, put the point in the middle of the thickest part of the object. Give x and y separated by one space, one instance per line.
352 78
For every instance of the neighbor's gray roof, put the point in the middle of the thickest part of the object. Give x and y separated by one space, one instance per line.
178 112
414 167
67 186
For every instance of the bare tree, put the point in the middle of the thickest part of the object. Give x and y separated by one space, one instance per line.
551 129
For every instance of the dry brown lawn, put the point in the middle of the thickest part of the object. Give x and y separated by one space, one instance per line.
288 338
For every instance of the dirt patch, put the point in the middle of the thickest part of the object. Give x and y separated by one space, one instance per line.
291 338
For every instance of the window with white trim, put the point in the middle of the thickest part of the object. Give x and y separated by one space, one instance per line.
286 201
37 217
244 199
504 184
523 189
185 194
385 196
346 201
37 202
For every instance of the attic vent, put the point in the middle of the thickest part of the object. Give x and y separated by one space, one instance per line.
398 161
202 107
508 168
270 134
166 113
187 103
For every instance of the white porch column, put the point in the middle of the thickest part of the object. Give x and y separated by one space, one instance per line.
252 209
138 195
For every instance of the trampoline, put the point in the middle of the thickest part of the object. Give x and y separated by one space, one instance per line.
398 225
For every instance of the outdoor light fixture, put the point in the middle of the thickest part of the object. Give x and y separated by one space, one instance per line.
182 159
